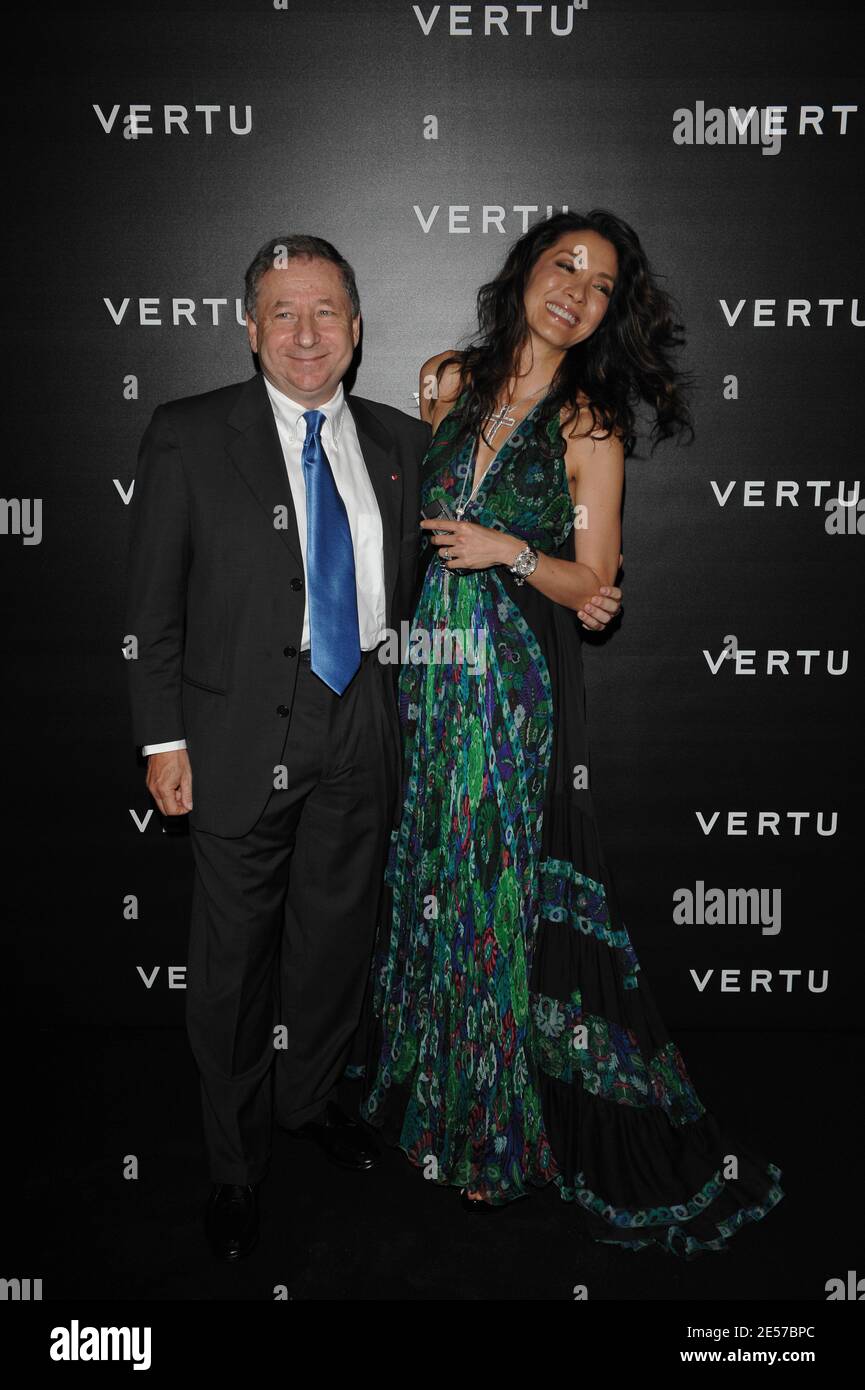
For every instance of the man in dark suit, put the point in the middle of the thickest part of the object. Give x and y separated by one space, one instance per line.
274 540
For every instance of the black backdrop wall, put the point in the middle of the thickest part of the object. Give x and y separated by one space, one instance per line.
160 148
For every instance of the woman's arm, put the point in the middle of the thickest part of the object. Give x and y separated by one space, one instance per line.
596 474
435 397
596 471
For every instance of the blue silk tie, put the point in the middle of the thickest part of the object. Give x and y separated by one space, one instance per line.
334 634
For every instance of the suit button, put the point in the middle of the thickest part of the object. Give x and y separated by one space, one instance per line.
283 710
289 651
296 583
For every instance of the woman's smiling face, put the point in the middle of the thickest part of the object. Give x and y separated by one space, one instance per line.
569 288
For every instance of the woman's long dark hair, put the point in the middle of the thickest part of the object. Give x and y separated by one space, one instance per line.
626 359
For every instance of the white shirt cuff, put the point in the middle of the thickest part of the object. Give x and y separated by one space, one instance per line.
163 747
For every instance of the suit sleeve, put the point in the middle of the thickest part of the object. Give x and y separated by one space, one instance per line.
159 558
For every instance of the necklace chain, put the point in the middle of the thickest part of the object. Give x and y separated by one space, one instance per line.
501 416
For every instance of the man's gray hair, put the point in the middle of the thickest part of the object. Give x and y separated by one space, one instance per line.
275 255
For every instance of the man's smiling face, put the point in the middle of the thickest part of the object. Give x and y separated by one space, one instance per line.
304 331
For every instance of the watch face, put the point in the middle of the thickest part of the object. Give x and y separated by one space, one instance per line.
526 564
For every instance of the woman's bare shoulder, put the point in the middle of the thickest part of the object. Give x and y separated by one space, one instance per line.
579 423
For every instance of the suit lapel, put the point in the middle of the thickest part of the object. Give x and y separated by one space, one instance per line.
256 452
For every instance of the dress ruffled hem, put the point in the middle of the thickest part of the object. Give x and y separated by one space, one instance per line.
668 1234
639 1179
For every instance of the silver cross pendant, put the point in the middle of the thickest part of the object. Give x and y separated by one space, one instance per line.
498 421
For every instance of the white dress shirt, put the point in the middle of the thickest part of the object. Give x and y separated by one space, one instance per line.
340 441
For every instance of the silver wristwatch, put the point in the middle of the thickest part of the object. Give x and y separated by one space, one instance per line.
525 564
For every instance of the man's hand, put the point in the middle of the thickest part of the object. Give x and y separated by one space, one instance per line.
602 607
169 781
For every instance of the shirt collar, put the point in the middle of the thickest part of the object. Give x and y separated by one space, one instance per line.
291 412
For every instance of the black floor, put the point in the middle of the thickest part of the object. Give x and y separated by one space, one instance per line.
388 1234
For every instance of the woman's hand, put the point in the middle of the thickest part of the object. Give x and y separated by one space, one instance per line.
463 545
467 546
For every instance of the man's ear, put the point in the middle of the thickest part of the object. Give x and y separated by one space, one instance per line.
355 330
252 333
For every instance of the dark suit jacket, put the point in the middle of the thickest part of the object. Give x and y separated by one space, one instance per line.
215 594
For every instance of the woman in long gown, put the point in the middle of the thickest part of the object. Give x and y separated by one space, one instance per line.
515 1039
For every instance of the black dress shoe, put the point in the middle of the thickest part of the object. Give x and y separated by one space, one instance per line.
344 1141
231 1220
